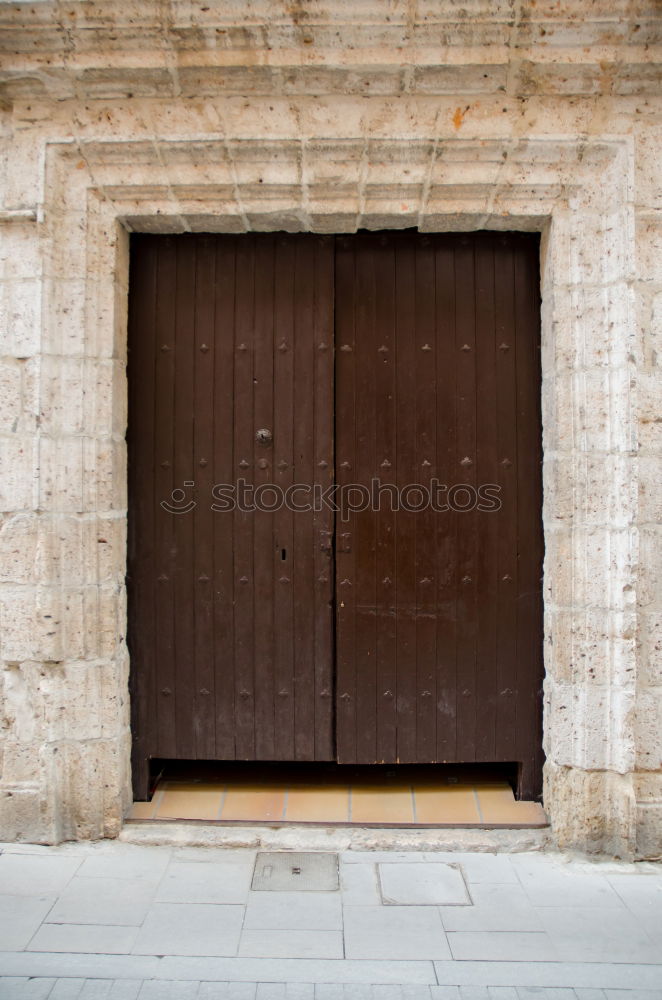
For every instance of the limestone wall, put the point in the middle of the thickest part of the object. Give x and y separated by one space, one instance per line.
328 116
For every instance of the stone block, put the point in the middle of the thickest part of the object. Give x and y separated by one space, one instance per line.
203 223
18 473
592 249
56 700
92 788
77 396
20 316
649 248
105 475
649 665
61 474
585 721
55 624
65 248
22 762
591 327
592 811
652 332
650 567
647 159
64 317
27 815
462 79
649 831
590 568
23 180
649 385
19 536
11 395
589 411
650 491
608 493
82 474
20 252
323 219
62 549
105 322
592 647
648 728
648 787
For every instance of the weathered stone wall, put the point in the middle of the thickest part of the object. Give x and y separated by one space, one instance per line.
328 116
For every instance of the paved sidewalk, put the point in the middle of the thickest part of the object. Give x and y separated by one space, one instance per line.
115 920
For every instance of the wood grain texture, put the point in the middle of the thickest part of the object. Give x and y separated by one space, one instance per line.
439 627
231 611
403 358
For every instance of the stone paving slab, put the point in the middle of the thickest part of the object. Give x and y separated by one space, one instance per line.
105 917
24 988
620 980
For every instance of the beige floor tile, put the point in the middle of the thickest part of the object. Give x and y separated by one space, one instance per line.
375 804
190 801
436 803
253 803
317 804
142 810
531 813
446 804
496 803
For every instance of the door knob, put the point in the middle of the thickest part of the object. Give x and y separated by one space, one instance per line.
264 436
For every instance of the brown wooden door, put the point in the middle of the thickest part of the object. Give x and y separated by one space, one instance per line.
231 617
439 620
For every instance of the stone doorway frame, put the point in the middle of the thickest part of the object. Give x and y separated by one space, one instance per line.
576 192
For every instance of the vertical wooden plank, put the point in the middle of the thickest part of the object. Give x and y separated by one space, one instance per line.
361 524
422 471
506 556
304 444
345 428
446 521
465 472
224 466
183 524
487 521
323 521
284 460
266 572
405 318
165 568
141 582
203 517
244 520
385 418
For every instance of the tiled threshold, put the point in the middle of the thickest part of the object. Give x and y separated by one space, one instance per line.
404 797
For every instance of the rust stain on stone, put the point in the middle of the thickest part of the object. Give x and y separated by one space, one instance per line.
458 117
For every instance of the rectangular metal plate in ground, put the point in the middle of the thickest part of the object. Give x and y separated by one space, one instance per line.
283 871
423 884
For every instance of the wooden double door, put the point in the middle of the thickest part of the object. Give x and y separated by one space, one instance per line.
335 537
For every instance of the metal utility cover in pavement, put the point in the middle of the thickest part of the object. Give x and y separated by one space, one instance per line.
281 871
423 884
